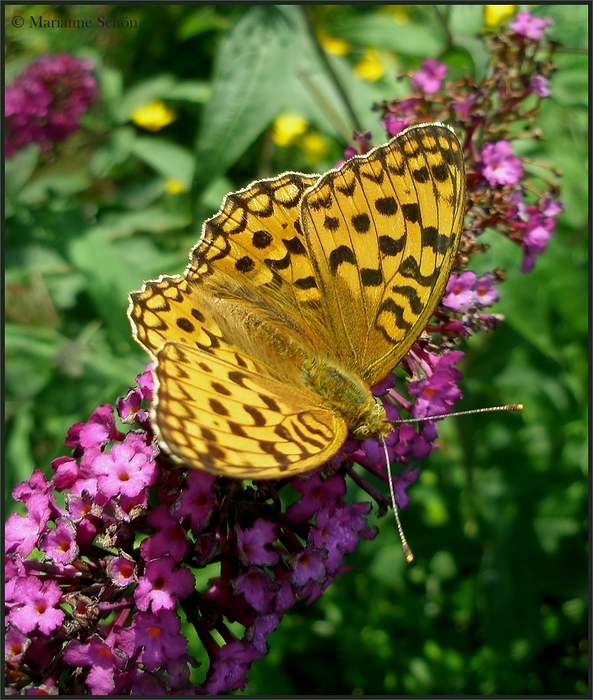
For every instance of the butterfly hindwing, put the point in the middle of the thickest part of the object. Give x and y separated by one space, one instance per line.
223 418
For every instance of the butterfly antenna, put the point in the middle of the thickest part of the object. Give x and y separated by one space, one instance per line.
405 546
440 416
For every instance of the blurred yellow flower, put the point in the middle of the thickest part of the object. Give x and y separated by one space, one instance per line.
369 67
153 115
497 15
399 13
173 186
315 147
333 45
287 128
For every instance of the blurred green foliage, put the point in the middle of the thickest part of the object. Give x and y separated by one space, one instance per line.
496 601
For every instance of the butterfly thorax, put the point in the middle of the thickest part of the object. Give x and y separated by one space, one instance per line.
347 395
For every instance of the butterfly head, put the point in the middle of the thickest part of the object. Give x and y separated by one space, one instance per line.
372 423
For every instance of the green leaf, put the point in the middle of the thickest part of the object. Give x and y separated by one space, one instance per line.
466 19
571 25
118 370
107 278
168 159
550 531
111 87
383 32
117 149
203 20
19 168
18 450
125 224
191 91
30 353
252 65
41 189
14 66
570 86
147 261
552 290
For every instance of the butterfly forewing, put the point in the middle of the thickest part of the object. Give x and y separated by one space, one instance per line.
382 232
254 251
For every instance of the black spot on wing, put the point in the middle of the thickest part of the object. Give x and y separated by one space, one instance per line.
306 282
198 315
421 175
361 222
440 172
237 429
412 297
409 268
433 239
220 389
258 417
215 452
237 377
411 212
294 246
271 449
244 264
341 254
376 178
185 324
218 407
331 223
261 239
269 402
319 202
284 434
208 434
348 189
240 362
281 264
387 206
391 246
370 277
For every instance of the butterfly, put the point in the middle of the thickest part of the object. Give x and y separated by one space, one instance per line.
303 292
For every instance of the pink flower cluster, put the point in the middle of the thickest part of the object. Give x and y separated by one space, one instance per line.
429 79
107 605
530 27
104 601
536 223
499 165
466 291
46 101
